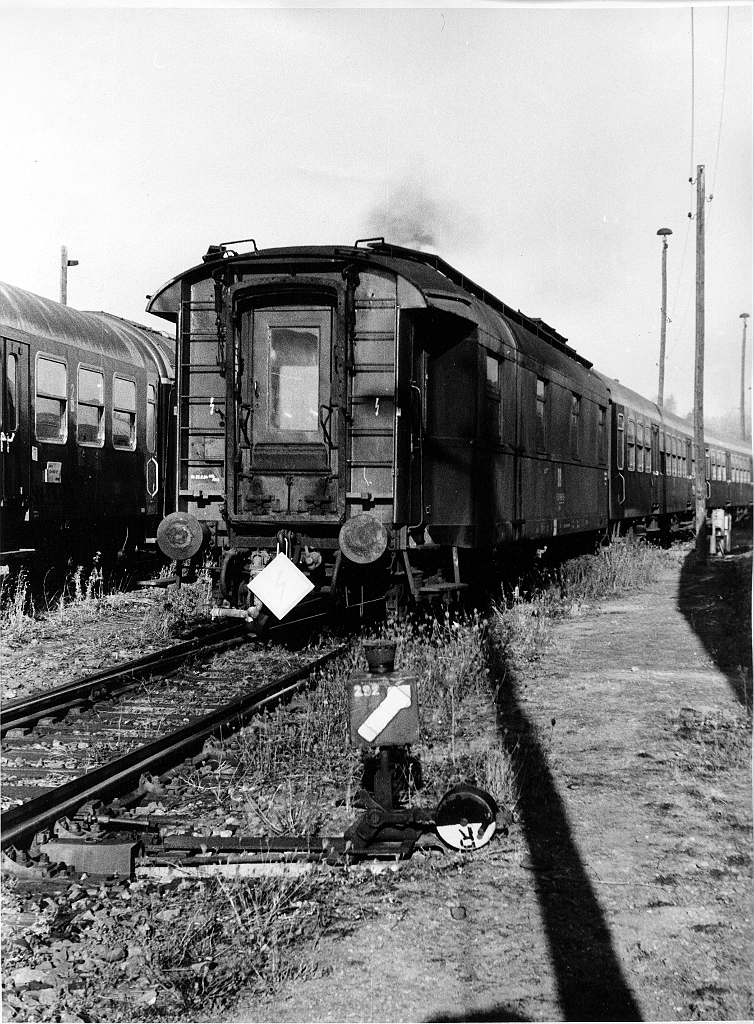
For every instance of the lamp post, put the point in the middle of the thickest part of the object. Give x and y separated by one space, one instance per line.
65 263
663 323
744 317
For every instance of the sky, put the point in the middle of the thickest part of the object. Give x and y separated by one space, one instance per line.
538 149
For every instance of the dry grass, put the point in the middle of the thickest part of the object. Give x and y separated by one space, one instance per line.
711 741
520 624
222 938
181 952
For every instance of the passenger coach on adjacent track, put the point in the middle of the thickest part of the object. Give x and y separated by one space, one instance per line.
84 432
395 428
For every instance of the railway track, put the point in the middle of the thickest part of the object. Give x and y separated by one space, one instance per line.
92 740
54 704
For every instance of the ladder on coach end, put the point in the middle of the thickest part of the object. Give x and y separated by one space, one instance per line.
201 411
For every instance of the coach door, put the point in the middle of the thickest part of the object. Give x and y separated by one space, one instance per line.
289 428
14 431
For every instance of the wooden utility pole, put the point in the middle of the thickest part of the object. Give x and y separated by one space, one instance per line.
700 483
664 316
65 263
744 317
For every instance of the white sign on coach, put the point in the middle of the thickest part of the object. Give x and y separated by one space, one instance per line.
280 585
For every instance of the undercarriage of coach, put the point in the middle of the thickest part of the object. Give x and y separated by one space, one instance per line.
362 574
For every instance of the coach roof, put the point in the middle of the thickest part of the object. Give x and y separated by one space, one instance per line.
26 316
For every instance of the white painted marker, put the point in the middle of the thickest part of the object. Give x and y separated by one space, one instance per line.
398 698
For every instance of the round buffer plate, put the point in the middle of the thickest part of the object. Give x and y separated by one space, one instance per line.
362 539
180 536
465 818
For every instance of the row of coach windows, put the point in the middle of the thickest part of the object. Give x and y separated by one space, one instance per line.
638 445
741 470
52 406
576 424
675 453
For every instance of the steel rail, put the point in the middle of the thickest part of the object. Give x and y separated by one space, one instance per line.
21 824
55 703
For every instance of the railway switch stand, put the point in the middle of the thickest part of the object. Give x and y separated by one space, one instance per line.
384 715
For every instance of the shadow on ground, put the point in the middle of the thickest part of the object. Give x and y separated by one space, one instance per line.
492 1013
588 974
715 598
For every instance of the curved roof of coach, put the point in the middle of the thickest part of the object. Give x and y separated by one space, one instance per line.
32 316
621 395
441 286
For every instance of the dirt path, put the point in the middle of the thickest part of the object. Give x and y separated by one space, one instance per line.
623 892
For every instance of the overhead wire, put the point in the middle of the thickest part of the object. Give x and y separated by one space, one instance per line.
683 370
722 105
679 328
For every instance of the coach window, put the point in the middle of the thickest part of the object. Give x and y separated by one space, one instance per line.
602 447
706 464
631 442
9 421
51 416
151 417
639 446
541 414
619 441
492 397
575 421
124 413
689 462
90 408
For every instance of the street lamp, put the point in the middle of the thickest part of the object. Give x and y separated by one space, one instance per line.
663 323
65 263
744 317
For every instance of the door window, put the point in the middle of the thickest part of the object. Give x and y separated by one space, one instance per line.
541 414
151 417
124 413
294 379
9 421
631 442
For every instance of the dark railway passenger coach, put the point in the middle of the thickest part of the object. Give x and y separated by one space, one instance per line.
391 427
377 415
83 432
